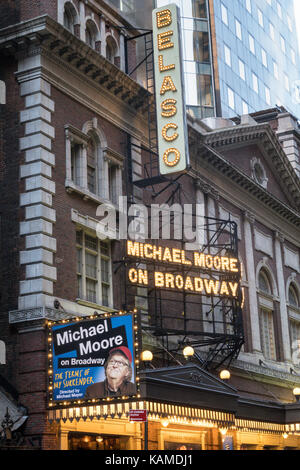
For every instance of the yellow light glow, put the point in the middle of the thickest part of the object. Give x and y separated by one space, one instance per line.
162 67
175 160
225 374
168 107
164 40
223 431
169 138
163 18
147 356
167 85
188 351
165 422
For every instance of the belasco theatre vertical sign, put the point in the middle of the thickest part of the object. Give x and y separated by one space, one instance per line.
169 90
92 358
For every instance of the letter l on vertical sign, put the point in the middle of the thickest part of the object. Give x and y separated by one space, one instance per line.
169 90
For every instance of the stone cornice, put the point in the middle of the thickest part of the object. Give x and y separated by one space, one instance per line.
45 36
263 135
231 171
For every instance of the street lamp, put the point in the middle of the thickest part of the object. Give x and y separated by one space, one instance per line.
146 357
188 352
224 374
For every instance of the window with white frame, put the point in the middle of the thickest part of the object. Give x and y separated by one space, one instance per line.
245 107
231 100
70 16
293 56
227 55
295 341
267 95
254 82
279 10
91 160
267 334
251 44
91 33
76 150
272 31
264 58
260 17
92 169
293 297
266 317
248 5
224 14
242 69
238 29
111 49
93 269
289 22
294 322
286 82
282 43
275 69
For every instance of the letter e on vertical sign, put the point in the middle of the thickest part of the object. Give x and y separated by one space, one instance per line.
169 91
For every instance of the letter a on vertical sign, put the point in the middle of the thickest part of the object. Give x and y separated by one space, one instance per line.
169 91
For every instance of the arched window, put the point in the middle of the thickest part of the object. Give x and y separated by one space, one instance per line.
264 282
293 296
293 311
69 17
91 33
266 316
111 49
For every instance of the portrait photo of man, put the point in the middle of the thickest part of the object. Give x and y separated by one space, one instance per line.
118 375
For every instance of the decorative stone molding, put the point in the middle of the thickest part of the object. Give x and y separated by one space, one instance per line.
33 314
255 164
263 242
249 217
279 236
36 289
291 258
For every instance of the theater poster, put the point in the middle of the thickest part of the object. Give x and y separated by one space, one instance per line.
92 359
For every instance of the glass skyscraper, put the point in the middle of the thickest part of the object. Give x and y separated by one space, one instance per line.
258 58
240 56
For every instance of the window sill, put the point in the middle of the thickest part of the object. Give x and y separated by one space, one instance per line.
95 306
87 195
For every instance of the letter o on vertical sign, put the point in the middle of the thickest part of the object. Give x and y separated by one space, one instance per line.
169 91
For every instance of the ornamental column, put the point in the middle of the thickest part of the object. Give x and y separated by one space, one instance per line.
251 276
282 296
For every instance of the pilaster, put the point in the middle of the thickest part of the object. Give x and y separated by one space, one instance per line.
282 296
36 288
250 267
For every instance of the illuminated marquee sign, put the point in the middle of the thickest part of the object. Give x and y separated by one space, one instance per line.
224 267
169 91
93 359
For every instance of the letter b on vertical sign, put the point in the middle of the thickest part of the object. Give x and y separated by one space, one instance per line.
169 91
